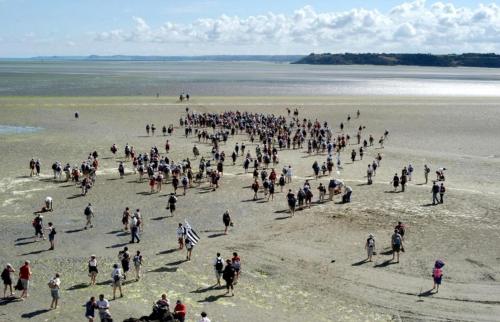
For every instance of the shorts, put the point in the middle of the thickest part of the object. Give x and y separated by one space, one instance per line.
51 237
26 283
218 275
172 207
370 251
117 283
226 223
93 269
55 293
396 248
437 280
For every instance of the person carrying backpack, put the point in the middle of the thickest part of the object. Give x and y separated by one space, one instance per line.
171 203
89 213
218 268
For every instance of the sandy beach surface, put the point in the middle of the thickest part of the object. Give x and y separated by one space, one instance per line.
305 268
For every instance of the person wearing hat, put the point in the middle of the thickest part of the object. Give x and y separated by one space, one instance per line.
370 247
7 279
180 311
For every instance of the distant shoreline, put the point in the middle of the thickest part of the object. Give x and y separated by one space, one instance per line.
425 60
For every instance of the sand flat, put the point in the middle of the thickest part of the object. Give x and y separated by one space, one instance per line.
287 268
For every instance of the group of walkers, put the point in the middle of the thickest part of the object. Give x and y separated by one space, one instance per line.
270 134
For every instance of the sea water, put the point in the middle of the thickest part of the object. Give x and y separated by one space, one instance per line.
87 78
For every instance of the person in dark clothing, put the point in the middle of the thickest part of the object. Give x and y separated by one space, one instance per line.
228 276
435 191
442 190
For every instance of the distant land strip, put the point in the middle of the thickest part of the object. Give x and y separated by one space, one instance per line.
450 60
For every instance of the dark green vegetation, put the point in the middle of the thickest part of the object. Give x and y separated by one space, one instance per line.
463 60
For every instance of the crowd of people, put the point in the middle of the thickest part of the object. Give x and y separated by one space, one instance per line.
270 134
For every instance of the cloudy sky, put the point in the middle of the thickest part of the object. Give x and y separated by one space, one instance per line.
200 27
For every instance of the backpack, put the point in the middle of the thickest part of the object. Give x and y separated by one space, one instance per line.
116 277
371 242
87 211
219 265
172 200
397 240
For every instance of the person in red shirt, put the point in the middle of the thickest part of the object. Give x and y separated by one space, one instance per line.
180 311
24 276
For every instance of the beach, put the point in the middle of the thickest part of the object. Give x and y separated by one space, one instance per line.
308 267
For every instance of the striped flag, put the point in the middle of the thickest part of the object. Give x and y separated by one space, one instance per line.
191 235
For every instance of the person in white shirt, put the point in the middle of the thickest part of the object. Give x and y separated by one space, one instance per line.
54 285
181 231
117 276
103 307
48 203
204 317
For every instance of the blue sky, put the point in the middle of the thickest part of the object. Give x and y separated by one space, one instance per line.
162 27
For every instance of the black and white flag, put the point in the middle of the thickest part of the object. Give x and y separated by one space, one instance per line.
191 235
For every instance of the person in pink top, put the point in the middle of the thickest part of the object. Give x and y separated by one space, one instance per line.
437 274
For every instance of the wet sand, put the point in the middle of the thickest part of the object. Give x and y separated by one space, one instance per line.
288 273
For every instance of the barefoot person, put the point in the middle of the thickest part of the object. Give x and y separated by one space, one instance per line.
228 275
218 268
55 285
7 280
93 271
370 247
25 276
437 274
116 276
226 219
397 245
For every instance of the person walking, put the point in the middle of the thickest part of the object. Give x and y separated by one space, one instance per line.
52 235
55 285
228 275
7 279
116 276
236 262
370 247
427 170
25 276
218 268
89 213
181 232
138 260
172 199
397 245
395 182
93 271
124 257
103 307
134 229
442 190
189 248
226 219
435 190
90 307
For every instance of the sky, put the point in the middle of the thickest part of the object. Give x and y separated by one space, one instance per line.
206 27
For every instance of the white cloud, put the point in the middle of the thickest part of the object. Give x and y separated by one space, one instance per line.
409 27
